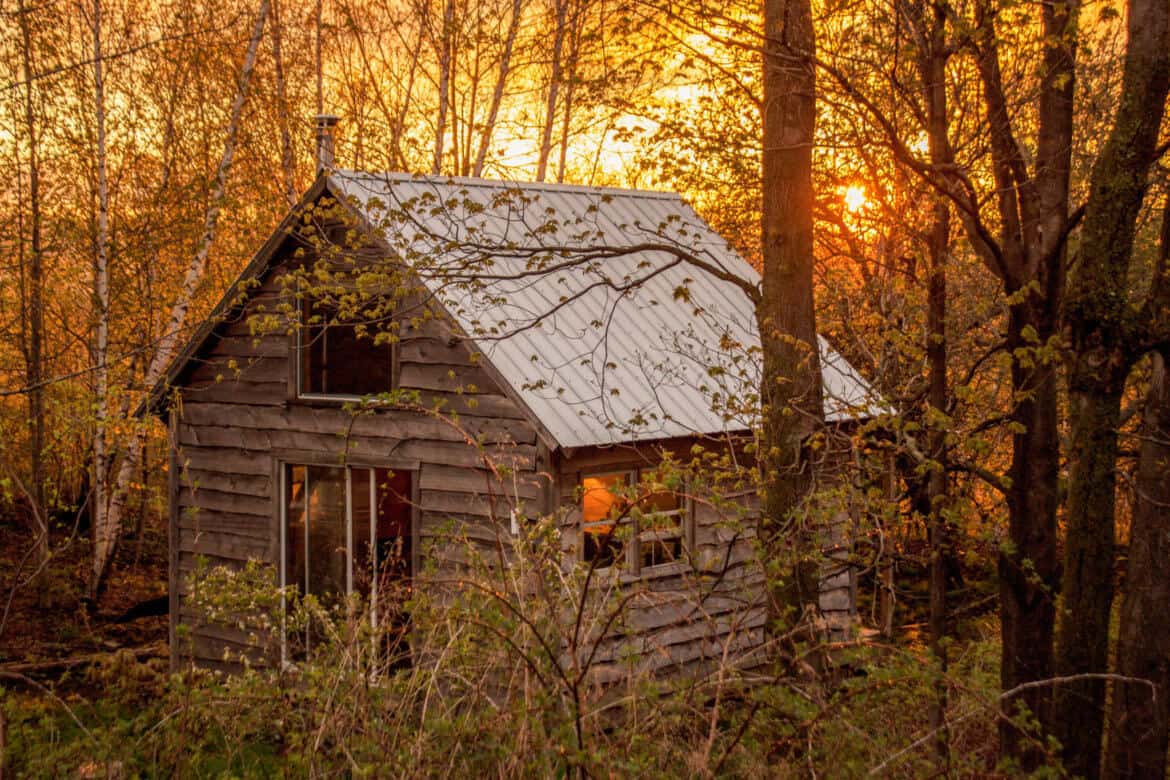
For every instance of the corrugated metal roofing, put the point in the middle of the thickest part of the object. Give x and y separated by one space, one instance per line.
573 296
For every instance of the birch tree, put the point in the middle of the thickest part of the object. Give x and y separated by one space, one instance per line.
108 531
101 282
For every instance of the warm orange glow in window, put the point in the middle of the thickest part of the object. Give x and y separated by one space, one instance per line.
601 495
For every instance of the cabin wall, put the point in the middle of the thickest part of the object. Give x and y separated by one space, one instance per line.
236 420
693 615
682 617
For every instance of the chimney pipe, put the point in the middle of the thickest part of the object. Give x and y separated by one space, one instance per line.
325 128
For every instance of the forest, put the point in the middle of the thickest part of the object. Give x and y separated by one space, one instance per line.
969 200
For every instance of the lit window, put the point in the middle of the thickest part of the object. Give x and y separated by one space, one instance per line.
602 506
340 358
647 531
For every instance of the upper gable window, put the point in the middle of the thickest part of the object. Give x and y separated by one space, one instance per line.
339 358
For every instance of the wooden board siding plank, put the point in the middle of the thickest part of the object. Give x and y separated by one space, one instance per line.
218 501
451 453
173 513
204 521
226 482
238 368
188 566
226 461
263 440
240 342
223 545
447 378
444 502
430 349
433 476
238 391
338 422
679 657
472 405
520 457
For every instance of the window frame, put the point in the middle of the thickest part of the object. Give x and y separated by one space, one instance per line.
288 460
297 372
632 548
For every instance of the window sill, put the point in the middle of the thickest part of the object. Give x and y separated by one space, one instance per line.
607 575
335 400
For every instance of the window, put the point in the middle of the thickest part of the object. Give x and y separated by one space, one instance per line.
642 528
336 358
347 530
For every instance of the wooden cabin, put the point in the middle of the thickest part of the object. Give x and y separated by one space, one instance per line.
546 329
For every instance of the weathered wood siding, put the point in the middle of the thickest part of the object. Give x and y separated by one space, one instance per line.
236 420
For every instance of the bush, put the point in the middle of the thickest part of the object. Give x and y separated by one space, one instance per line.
502 684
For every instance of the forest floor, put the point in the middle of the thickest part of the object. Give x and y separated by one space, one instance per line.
56 623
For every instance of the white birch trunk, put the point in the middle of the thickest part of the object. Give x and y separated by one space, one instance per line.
489 126
287 161
444 83
106 535
101 285
554 85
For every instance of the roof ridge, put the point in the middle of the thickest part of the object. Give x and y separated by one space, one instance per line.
469 181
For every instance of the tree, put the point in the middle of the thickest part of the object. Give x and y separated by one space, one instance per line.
101 283
33 306
790 392
1107 333
1139 720
107 530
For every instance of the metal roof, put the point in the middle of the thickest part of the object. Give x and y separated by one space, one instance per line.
575 296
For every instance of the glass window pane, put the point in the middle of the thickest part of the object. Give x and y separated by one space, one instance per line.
658 551
294 571
363 560
394 563
601 548
340 359
601 501
394 513
328 559
655 495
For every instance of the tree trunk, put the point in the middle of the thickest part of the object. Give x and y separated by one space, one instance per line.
1103 347
444 51
34 313
554 85
106 536
1139 723
575 32
287 159
489 125
791 392
101 285
1082 644
1032 208
932 65
1028 568
318 64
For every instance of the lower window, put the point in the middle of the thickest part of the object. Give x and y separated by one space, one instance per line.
347 530
638 527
